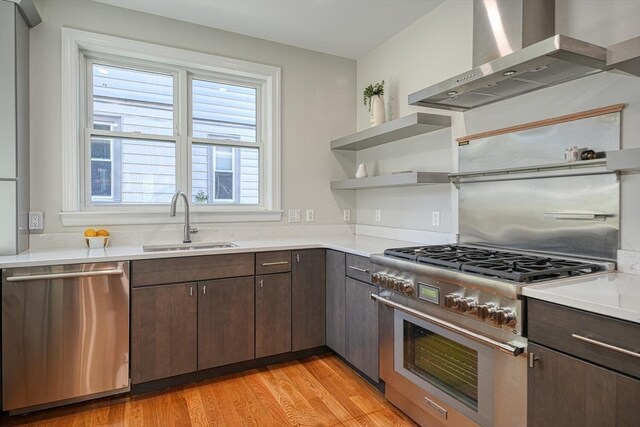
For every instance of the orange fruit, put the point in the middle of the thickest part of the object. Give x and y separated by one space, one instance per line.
102 232
90 232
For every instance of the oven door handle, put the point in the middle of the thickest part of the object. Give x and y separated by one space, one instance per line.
506 348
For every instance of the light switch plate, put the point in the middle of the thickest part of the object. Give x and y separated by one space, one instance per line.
378 215
36 221
294 215
310 215
346 215
435 218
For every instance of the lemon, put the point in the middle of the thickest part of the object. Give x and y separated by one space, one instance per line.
102 232
90 232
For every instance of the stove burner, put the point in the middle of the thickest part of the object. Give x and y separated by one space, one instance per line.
495 263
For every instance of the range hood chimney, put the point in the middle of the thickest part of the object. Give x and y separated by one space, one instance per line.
515 51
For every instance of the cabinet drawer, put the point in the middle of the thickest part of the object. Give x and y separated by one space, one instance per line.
359 267
190 269
565 329
273 262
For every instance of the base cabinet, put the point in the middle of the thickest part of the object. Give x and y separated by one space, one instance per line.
362 328
565 391
580 370
273 314
308 299
164 323
335 302
225 321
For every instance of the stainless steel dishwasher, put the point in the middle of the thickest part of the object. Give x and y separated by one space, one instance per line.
65 334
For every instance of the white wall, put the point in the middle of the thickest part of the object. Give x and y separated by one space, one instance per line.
438 46
318 103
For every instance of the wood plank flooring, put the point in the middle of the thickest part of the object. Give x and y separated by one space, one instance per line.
318 391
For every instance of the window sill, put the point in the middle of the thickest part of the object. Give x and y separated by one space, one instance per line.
70 219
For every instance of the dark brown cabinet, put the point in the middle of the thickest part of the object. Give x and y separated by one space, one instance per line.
308 299
163 331
579 373
273 314
566 391
335 302
362 327
225 321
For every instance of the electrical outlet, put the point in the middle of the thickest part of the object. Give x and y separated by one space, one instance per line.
36 221
310 215
294 215
435 218
378 216
346 215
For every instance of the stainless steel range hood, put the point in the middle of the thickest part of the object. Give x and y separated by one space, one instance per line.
515 52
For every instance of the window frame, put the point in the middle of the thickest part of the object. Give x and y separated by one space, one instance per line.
266 78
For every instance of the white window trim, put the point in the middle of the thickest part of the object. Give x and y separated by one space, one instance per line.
74 41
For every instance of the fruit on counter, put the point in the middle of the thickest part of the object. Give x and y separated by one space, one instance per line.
102 232
90 232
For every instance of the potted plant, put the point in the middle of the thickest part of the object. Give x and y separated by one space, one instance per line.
372 97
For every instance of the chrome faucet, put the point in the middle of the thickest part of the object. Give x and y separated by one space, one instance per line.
188 230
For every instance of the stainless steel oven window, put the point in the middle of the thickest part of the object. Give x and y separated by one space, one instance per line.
448 366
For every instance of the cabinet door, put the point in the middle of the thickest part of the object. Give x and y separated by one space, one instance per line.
273 314
225 321
308 299
565 391
362 328
335 310
163 331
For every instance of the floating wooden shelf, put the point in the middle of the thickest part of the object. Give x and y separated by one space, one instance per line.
404 127
393 180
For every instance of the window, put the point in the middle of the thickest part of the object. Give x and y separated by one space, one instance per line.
153 120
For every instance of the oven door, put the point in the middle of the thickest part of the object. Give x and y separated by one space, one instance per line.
447 366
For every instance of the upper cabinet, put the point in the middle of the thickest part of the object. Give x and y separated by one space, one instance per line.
404 127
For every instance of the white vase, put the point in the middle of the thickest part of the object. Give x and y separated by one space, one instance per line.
362 171
377 115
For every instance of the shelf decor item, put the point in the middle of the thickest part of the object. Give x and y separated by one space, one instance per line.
372 97
362 171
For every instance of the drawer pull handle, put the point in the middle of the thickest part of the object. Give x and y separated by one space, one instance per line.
607 346
361 270
267 264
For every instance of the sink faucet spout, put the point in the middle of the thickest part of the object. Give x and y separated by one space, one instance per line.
188 230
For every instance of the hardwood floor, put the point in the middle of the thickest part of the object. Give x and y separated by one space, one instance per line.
318 391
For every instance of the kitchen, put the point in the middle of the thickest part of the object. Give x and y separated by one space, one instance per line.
322 86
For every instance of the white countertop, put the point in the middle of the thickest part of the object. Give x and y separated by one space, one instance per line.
610 294
355 244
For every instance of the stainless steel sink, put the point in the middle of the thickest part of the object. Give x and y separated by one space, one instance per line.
188 246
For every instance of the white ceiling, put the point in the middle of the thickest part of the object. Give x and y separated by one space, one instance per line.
348 28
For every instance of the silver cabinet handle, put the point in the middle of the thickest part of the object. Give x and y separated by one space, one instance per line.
266 264
506 348
204 289
260 282
298 257
190 291
362 270
577 216
532 360
117 272
607 346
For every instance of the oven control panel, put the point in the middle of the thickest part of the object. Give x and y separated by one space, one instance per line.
485 311
392 282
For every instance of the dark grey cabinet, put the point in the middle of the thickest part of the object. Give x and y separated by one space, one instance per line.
578 375
335 302
273 314
308 299
163 331
225 321
362 327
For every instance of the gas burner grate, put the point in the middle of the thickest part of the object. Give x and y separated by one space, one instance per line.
494 262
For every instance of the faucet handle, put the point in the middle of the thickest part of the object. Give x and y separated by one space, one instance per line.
193 230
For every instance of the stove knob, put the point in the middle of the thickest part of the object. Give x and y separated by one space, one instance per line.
375 278
451 301
407 287
468 304
486 311
504 316
384 280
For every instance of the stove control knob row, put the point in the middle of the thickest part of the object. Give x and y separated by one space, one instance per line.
468 305
391 282
486 311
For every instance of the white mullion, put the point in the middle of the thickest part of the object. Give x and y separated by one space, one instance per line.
131 135
227 143
85 148
183 149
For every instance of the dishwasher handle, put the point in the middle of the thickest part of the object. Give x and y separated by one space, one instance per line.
78 274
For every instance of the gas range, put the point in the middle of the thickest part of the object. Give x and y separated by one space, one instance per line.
482 284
